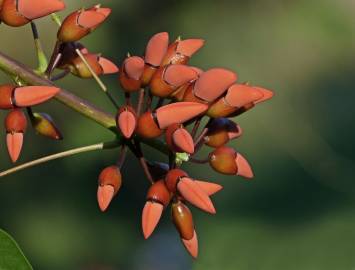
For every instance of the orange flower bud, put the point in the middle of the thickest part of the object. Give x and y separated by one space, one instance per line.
81 22
182 218
45 126
126 121
179 139
220 131
147 127
131 73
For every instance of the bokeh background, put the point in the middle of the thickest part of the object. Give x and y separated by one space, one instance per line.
298 212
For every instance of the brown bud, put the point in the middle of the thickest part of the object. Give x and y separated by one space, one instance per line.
182 219
158 192
45 126
15 122
6 96
173 177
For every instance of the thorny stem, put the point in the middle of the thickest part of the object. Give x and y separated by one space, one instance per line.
71 152
97 79
42 59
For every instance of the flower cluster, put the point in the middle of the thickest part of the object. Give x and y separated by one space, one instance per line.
183 107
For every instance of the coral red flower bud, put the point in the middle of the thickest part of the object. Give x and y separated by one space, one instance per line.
267 94
45 126
126 121
179 139
181 51
182 218
178 112
110 181
131 73
191 245
208 187
20 12
81 22
220 131
158 197
78 67
210 85
178 180
11 97
156 49
227 161
169 78
108 67
147 126
15 124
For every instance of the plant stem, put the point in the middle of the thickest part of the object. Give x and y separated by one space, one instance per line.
67 153
140 101
42 59
56 19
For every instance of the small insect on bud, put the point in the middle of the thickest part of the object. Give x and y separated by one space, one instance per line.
110 181
227 161
45 126
210 85
126 121
221 131
238 96
179 139
183 221
169 78
156 49
150 124
20 12
131 73
181 51
15 125
158 197
177 180
81 22
12 96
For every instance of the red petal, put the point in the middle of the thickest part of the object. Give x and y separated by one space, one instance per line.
178 112
14 143
90 18
195 195
267 94
213 83
127 123
105 194
150 217
208 187
33 9
239 95
189 46
33 95
107 66
191 245
134 67
183 140
156 48
177 75
244 169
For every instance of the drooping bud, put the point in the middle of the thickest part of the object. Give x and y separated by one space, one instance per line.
110 181
45 126
12 96
181 51
179 139
220 131
15 125
154 53
81 22
158 197
131 73
178 180
19 12
126 121
169 78
227 161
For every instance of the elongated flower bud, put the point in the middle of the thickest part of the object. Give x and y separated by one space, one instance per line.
131 73
45 126
179 139
126 121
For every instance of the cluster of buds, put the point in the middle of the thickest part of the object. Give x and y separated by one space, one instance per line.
174 99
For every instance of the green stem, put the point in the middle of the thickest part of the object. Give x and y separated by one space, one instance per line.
42 58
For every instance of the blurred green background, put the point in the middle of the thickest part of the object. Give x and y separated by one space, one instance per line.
298 212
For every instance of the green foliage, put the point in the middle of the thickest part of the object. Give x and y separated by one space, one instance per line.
11 257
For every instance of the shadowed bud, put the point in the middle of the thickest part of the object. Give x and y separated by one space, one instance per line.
147 126
15 125
20 12
169 78
45 126
126 121
210 85
110 181
154 53
178 180
181 51
179 139
220 131
158 197
208 187
26 96
80 23
178 112
227 161
182 219
131 73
